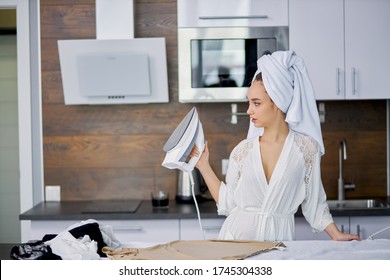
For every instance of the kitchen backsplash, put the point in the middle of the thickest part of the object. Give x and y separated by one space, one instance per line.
115 151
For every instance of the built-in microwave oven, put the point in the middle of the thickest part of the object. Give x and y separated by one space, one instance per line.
217 64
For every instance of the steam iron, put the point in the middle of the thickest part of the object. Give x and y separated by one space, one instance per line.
178 147
181 142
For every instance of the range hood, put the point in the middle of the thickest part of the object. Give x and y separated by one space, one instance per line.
114 68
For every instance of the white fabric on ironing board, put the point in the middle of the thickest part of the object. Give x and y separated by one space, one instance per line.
288 84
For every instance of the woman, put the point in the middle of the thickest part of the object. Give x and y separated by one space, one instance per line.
271 174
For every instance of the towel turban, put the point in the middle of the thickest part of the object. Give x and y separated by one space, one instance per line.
288 84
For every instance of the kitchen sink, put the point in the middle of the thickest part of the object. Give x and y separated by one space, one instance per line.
357 204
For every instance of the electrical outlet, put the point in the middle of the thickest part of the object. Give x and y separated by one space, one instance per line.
321 111
53 193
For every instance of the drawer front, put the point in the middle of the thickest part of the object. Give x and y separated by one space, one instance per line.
124 230
303 231
146 230
40 228
190 229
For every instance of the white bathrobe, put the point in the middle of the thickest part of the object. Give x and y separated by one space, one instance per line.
261 210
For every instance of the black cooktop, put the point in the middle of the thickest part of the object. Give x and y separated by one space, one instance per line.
112 206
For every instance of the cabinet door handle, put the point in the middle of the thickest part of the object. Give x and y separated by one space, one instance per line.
342 228
354 91
211 228
134 228
233 17
358 230
337 81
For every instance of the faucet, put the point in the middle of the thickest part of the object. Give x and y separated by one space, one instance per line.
342 156
341 184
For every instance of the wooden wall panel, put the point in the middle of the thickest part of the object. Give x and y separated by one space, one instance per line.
116 119
76 21
115 183
115 151
365 165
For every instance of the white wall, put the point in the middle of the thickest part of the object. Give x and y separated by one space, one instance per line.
29 134
9 143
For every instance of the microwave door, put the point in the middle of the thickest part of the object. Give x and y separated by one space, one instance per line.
222 62
218 64
256 49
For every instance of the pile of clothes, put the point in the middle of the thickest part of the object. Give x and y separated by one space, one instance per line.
80 241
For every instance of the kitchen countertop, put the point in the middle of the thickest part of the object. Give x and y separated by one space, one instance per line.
73 210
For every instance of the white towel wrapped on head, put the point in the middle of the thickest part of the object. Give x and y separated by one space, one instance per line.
288 85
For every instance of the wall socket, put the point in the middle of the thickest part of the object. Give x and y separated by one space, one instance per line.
52 193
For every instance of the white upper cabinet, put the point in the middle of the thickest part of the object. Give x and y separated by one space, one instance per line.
317 35
214 13
367 44
344 45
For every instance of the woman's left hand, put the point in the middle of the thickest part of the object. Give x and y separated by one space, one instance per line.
338 235
342 236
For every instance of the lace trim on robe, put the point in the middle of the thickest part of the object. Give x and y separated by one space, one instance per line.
240 152
309 148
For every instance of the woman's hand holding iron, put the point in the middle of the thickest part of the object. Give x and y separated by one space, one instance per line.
204 157
203 164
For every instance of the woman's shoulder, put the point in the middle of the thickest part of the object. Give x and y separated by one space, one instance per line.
306 143
249 142
242 149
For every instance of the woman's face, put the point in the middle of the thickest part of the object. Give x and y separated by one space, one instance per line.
261 110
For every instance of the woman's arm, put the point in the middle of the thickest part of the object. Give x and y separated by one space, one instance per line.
336 234
315 207
211 179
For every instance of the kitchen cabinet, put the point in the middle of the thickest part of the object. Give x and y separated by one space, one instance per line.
160 230
362 225
216 13
303 230
124 230
190 229
365 226
344 46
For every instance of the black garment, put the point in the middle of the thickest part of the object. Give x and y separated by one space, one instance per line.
93 231
36 250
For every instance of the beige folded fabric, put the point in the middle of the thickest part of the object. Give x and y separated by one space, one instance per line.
195 250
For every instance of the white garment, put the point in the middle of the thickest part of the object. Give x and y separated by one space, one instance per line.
106 230
288 84
68 247
258 210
